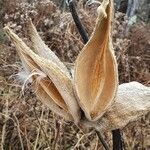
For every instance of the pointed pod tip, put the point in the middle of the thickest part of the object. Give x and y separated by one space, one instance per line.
29 24
101 10
6 29
29 21
8 32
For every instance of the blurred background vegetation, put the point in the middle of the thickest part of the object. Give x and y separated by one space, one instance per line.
132 8
136 10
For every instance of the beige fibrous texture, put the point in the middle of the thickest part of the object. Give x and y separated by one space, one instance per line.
132 101
93 87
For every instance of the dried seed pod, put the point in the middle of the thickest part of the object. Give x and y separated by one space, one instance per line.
43 50
132 102
57 84
96 76
95 79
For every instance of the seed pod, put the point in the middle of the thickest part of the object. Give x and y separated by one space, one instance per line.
96 76
57 84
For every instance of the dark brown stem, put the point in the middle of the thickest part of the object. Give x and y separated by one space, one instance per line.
117 140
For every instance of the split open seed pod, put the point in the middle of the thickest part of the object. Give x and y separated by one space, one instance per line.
94 86
55 87
96 76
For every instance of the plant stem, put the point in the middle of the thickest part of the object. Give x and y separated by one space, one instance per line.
117 140
77 20
102 140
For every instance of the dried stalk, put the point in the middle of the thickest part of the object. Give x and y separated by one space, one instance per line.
77 21
4 126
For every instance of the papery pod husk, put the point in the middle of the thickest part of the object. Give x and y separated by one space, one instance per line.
46 99
44 82
43 50
96 76
60 81
132 102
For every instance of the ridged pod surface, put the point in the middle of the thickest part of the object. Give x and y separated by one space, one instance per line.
96 76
